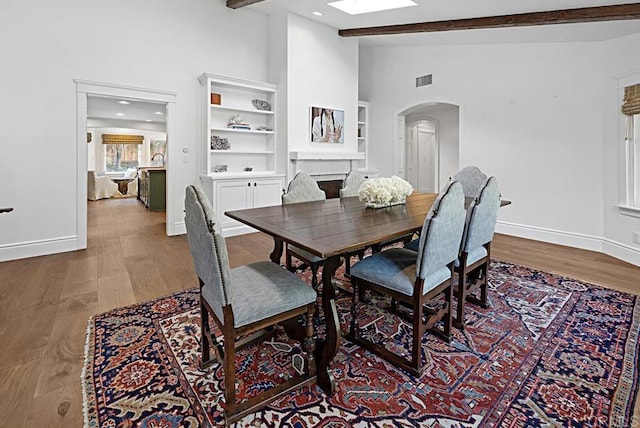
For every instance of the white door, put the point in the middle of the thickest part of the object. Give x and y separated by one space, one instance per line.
426 145
421 156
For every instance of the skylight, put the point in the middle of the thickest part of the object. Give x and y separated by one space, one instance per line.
356 7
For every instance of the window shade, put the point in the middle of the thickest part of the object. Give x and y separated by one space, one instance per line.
631 102
122 139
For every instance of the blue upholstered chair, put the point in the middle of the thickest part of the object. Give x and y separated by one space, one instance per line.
415 279
475 251
352 183
242 301
471 179
303 188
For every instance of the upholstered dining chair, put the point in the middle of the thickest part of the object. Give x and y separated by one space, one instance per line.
471 179
475 251
416 279
303 188
352 183
242 301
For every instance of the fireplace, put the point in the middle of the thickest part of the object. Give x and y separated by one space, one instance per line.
331 187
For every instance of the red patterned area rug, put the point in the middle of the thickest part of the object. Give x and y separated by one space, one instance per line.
550 351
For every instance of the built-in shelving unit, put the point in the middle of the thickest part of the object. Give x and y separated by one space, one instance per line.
251 178
363 119
234 97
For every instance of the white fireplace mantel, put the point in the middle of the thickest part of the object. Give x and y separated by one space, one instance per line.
326 156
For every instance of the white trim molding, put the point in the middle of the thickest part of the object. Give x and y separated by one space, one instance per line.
41 247
603 245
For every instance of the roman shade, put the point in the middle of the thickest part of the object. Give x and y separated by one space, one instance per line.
122 139
631 102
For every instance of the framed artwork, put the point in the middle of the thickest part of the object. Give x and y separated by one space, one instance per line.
327 125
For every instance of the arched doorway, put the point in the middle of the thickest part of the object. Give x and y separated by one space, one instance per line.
427 144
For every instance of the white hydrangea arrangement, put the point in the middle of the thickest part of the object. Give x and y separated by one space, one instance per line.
384 191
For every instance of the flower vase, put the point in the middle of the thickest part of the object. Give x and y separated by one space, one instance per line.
376 205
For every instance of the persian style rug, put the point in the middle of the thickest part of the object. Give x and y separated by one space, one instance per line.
550 351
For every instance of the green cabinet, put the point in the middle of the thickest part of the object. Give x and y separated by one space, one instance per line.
152 188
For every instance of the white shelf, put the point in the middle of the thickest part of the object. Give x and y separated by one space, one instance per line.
243 152
326 155
242 131
243 174
240 109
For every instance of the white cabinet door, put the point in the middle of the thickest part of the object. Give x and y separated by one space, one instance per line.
232 195
267 192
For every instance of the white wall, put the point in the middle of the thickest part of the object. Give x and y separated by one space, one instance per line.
322 71
159 44
621 67
530 114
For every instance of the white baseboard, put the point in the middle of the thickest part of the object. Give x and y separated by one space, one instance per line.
622 251
43 247
577 240
179 228
237 230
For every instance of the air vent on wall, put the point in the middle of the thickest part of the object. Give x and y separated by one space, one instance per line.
424 80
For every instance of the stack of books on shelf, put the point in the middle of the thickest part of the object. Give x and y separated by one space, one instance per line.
239 126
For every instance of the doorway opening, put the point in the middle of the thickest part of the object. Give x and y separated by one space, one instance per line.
89 95
427 144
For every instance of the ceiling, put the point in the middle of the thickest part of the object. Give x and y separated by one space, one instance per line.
136 111
440 10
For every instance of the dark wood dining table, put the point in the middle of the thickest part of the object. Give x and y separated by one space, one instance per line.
329 229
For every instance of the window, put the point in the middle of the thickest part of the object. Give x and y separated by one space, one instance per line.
122 152
120 157
631 110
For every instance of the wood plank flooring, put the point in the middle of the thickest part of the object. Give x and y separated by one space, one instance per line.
46 301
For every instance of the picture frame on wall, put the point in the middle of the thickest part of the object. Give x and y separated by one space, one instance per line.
327 125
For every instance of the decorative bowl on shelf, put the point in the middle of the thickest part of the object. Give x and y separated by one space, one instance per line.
261 105
220 168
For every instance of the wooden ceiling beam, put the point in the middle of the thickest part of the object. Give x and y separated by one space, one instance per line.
566 16
236 4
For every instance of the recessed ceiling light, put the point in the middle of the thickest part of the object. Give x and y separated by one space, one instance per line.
119 114
356 7
316 13
148 120
123 102
158 112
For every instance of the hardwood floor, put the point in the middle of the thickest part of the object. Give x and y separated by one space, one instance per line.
46 301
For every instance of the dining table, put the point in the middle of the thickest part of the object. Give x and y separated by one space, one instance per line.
330 229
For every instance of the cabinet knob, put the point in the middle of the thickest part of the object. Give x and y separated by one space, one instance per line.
255 184
249 184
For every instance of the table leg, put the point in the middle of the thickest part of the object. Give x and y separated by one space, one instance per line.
276 254
327 348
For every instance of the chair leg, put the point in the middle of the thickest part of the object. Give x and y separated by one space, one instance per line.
314 276
310 344
229 373
288 261
462 298
355 299
418 333
448 300
205 359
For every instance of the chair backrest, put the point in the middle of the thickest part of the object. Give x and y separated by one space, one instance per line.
482 216
303 188
91 184
442 231
471 179
208 250
352 184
